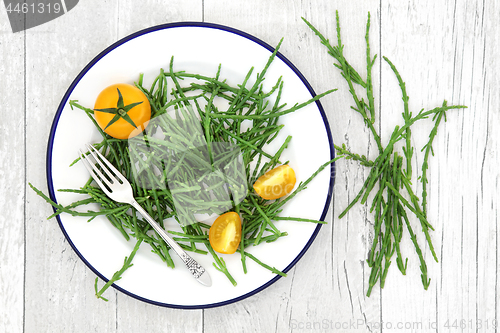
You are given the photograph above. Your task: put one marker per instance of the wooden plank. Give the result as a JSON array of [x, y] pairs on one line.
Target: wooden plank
[[470, 248], [425, 66], [58, 284], [460, 288], [326, 288], [12, 175], [449, 66], [488, 219]]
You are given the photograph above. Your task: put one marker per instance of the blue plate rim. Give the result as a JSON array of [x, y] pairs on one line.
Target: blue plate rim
[[126, 39]]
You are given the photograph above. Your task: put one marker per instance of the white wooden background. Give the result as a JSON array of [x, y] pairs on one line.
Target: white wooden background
[[443, 49]]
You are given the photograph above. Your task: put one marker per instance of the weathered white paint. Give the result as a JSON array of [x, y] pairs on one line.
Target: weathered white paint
[[443, 50]]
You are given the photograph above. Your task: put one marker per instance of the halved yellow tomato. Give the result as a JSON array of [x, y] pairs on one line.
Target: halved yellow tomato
[[225, 233], [122, 110], [275, 183]]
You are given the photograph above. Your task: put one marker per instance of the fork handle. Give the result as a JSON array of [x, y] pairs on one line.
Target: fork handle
[[199, 273]]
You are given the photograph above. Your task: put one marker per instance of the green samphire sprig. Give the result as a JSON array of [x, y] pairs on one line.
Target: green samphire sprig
[[390, 175]]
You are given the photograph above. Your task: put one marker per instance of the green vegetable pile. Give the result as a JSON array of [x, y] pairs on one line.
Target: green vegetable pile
[[262, 108], [394, 201], [390, 181]]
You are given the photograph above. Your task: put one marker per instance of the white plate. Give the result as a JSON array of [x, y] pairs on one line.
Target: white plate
[[196, 47]]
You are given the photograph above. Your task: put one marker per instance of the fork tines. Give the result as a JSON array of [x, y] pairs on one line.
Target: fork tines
[[101, 170]]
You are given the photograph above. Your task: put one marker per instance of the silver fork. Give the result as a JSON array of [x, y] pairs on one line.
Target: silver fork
[[117, 187]]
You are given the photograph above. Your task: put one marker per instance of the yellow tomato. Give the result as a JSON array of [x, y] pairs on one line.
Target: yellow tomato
[[122, 110], [225, 233], [275, 183]]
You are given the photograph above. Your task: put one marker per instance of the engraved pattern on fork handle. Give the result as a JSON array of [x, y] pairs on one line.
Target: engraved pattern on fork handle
[[196, 269]]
